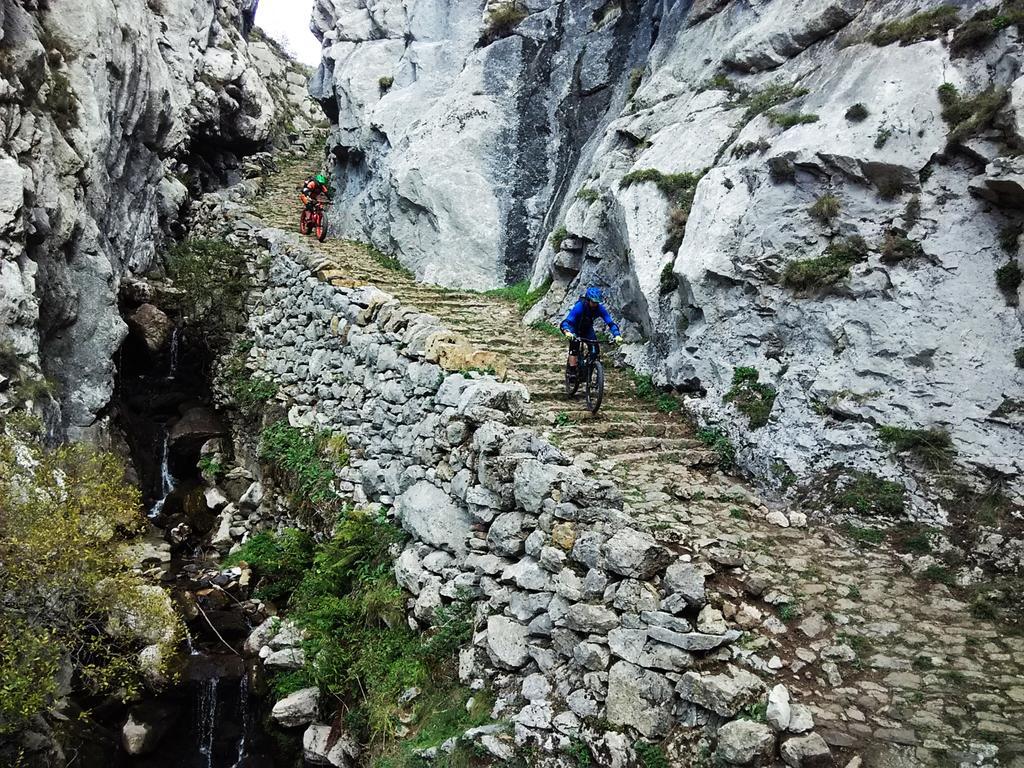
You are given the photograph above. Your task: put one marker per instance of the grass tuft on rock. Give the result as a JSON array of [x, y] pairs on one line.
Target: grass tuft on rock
[[503, 18], [932, 446], [1008, 278], [384, 83], [827, 270], [520, 294], [1009, 237], [857, 113], [786, 120], [968, 116], [926, 25], [587, 194], [748, 148], [679, 189], [981, 29], [751, 398], [897, 247], [868, 494], [825, 208], [557, 238], [772, 95], [669, 280]]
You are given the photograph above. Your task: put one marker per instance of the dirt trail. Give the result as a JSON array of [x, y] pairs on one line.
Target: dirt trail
[[894, 667]]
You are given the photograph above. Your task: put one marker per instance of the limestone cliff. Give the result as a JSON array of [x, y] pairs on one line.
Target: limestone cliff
[[821, 192], [110, 112]]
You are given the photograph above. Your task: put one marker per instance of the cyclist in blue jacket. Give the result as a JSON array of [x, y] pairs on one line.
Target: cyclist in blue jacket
[[579, 324]]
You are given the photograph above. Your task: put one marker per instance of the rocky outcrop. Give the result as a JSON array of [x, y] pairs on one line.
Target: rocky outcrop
[[680, 156], [111, 112]]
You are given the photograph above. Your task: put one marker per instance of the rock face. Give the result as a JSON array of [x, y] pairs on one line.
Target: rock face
[[585, 122], [107, 105]]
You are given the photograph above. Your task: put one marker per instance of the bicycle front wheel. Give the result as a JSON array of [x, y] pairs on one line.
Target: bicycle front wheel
[[595, 386]]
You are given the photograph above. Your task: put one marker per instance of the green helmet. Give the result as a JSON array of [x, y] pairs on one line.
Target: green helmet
[[321, 178]]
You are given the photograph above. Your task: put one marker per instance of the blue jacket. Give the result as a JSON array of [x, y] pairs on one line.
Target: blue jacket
[[581, 317]]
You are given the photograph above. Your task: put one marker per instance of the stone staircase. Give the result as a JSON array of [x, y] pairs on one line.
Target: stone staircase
[[895, 668]]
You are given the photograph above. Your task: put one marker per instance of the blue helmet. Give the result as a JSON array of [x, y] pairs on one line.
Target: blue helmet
[[594, 294]]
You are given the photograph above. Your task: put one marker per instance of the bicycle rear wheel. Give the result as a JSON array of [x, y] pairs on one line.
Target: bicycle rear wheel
[[595, 386]]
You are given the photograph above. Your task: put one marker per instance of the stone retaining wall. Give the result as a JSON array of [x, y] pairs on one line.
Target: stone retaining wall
[[586, 627]]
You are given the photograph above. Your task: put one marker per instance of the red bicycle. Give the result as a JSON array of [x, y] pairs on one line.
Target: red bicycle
[[313, 222]]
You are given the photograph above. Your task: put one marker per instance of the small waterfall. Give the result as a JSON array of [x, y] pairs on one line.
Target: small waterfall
[[167, 481], [172, 368], [206, 720], [246, 719]]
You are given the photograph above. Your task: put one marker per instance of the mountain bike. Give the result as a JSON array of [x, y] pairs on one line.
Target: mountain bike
[[589, 371], [313, 222]]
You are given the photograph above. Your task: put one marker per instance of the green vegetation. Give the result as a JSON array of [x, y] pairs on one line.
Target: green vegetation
[[788, 612], [389, 262], [969, 115], [360, 651], [304, 463], [827, 270], [588, 194], [769, 97], [926, 25], [753, 399], [68, 594], [863, 535], [217, 306], [719, 442], [558, 237], [679, 189], [1009, 235], [1008, 277], [825, 208], [857, 113], [940, 574], [789, 119], [278, 559], [882, 136], [932, 446], [61, 102], [669, 280], [897, 247], [978, 31], [636, 76], [385, 83], [503, 18], [249, 393], [911, 537], [545, 327], [210, 466], [647, 390], [650, 755], [868, 494], [521, 295], [890, 187], [579, 753], [721, 82], [748, 148], [563, 419], [24, 386]]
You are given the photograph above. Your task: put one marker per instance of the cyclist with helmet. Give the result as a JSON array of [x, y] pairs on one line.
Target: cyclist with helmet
[[579, 323], [312, 190]]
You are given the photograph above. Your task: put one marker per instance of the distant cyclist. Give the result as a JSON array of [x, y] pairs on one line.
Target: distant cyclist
[[579, 324], [313, 190]]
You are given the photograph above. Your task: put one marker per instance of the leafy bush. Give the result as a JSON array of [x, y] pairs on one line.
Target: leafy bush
[[789, 119], [66, 591], [926, 25], [857, 113], [825, 208], [1008, 277], [829, 269], [558, 237], [897, 247], [933, 446], [385, 82], [300, 462], [503, 18], [521, 295], [978, 31], [720, 443], [865, 493], [217, 305], [279, 561], [969, 115], [753, 399]]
